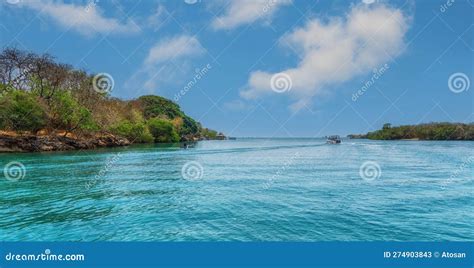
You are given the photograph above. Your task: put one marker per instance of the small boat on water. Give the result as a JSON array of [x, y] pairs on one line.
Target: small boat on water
[[188, 144], [334, 139]]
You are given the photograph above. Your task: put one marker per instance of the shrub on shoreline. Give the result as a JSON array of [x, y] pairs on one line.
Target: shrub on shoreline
[[21, 111]]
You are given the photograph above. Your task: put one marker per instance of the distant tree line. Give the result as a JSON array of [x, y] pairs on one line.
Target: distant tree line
[[37, 93], [430, 131]]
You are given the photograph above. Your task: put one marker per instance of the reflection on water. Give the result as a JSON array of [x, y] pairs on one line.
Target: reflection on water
[[250, 190]]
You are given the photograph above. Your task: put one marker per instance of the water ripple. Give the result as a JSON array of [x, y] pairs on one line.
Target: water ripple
[[251, 190]]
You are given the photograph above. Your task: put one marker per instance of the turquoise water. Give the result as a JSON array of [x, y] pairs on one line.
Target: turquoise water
[[243, 190]]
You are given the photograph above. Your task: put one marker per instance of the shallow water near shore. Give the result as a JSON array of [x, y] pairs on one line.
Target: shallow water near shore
[[244, 190]]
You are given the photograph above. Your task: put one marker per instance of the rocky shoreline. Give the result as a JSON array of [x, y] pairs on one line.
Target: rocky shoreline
[[33, 143]]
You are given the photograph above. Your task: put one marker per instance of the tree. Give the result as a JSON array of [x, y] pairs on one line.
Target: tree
[[134, 132], [155, 106], [387, 126], [21, 111], [67, 114], [209, 133], [162, 130], [15, 69]]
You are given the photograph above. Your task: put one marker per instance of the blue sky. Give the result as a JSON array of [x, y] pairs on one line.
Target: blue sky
[[269, 68]]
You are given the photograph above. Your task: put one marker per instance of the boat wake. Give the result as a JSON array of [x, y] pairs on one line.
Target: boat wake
[[251, 149]]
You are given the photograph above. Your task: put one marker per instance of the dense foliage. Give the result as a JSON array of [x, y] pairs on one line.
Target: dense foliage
[[162, 130], [67, 114], [21, 111], [156, 106], [431, 131], [37, 93], [134, 132]]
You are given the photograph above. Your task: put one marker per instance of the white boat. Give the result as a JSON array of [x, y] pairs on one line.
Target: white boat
[[334, 139]]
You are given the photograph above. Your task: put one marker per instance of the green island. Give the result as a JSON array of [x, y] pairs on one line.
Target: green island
[[429, 131], [49, 106]]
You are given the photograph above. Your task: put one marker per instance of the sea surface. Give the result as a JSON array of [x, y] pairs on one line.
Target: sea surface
[[243, 190]]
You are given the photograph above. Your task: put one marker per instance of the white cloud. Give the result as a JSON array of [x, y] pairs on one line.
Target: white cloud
[[240, 12], [85, 19], [166, 63], [173, 48], [336, 50], [158, 18]]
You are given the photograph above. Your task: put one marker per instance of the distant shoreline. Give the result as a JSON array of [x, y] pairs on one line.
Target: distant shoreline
[[422, 132], [58, 143], [13, 142]]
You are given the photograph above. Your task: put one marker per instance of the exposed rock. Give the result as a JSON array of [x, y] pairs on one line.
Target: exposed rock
[[32, 143]]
